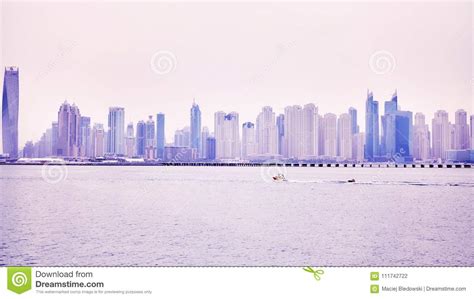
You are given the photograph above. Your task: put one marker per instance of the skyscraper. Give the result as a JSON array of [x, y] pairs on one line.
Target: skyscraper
[[211, 148], [330, 135], [421, 138], [141, 139], [461, 134], [130, 141], [150, 143], [195, 138], [387, 144], [69, 119], [10, 106], [371, 127], [160, 135], [115, 145], [204, 135], [472, 131], [182, 137], [344, 136], [294, 132], [280, 124], [85, 136], [54, 138], [29, 150], [266, 132], [441, 134], [249, 145], [354, 125], [403, 135], [310, 131], [397, 132], [98, 142], [227, 134], [358, 142]]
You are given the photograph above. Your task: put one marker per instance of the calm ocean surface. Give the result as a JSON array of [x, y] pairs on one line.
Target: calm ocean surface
[[235, 216]]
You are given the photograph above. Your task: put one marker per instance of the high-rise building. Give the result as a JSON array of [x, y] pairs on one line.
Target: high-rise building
[[280, 124], [211, 148], [421, 138], [330, 135], [150, 142], [472, 131], [195, 138], [461, 130], [160, 135], [54, 138], [130, 141], [98, 142], [10, 105], [29, 150], [69, 119], [440, 134], [249, 145], [182, 137], [358, 144], [204, 135], [344, 136], [85, 136], [310, 131], [294, 140], [397, 131], [387, 144], [371, 127], [392, 105], [266, 132], [43, 147], [398, 134], [116, 134], [452, 136], [227, 134], [141, 139], [354, 125]]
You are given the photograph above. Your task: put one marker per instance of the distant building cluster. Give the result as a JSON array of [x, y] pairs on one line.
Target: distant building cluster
[[300, 133]]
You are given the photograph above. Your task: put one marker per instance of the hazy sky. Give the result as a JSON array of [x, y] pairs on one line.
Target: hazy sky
[[234, 57]]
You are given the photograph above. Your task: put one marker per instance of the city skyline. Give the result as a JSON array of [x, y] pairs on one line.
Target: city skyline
[[299, 133], [266, 126], [306, 52]]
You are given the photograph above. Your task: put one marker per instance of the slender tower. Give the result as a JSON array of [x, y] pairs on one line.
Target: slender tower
[[10, 104]]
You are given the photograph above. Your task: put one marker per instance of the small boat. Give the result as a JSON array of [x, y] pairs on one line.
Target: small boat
[[279, 178], [351, 181]]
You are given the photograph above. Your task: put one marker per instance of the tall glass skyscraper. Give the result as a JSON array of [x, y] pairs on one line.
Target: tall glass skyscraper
[[371, 127], [10, 104], [150, 143], [211, 148], [160, 135], [141, 138], [69, 122], [85, 136], [280, 124], [195, 127], [116, 138], [354, 126], [397, 131], [403, 134]]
